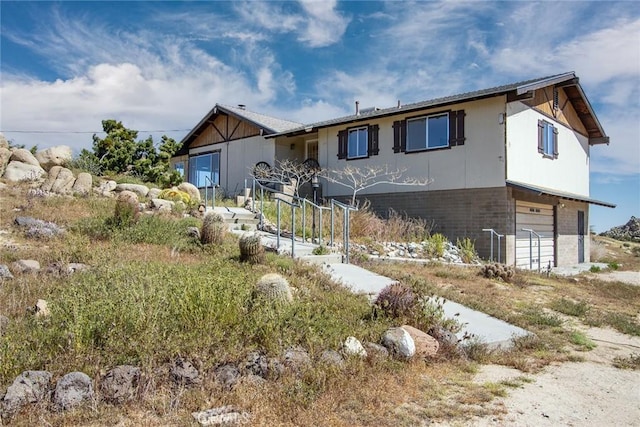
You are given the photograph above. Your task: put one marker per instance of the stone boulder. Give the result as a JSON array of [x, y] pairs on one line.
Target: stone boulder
[[18, 171], [24, 156], [28, 387], [5, 155], [139, 189], [162, 205], [5, 273], [120, 384], [376, 350], [353, 347], [629, 231], [106, 188], [191, 190], [51, 178], [331, 358], [399, 343], [297, 359], [3, 142], [59, 155], [37, 228], [426, 345], [154, 193], [256, 364], [227, 375], [73, 390], [83, 184], [63, 182], [182, 372], [25, 266], [222, 416], [41, 309]]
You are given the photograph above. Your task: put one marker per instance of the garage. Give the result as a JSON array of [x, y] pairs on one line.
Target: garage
[[539, 218]]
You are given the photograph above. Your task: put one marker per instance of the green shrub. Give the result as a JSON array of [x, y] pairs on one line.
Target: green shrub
[[613, 265], [321, 250], [437, 244], [594, 269], [580, 339], [467, 250], [396, 300], [565, 306]]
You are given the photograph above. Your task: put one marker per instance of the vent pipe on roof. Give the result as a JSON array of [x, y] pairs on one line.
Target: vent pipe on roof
[[398, 103], [357, 108], [242, 106]]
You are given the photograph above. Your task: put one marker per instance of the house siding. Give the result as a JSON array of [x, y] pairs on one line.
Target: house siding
[[568, 173], [567, 232]]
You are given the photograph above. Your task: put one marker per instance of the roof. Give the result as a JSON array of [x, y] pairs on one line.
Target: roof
[[269, 124], [563, 195], [567, 80]]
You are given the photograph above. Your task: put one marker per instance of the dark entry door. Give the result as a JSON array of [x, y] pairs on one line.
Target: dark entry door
[[580, 236]]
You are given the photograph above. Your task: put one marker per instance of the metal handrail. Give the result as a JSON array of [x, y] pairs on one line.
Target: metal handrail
[[500, 236], [531, 233], [346, 209], [213, 192]]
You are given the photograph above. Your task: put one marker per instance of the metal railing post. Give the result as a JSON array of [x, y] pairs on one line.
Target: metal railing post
[[253, 195], [499, 246], [538, 236], [320, 235], [332, 213], [304, 222], [346, 240], [261, 208], [293, 231], [278, 224], [499, 236]]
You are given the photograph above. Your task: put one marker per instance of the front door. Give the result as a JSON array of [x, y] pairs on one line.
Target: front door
[[580, 236]]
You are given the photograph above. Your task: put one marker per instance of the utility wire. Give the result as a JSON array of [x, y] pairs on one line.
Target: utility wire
[[79, 131]]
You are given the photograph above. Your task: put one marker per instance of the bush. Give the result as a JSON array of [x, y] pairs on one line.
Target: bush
[[437, 243], [175, 195], [467, 250], [396, 300], [127, 210]]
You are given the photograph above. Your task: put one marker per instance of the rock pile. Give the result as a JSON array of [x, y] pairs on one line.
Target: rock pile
[[630, 231]]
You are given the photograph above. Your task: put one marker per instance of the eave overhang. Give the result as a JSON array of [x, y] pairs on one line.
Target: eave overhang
[[542, 191]]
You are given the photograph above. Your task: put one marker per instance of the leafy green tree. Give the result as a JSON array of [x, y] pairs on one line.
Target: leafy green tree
[[119, 152]]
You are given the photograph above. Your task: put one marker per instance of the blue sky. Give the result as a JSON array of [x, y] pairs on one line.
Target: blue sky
[[160, 66]]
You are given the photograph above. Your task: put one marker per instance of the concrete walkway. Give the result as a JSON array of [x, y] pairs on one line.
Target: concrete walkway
[[486, 329]]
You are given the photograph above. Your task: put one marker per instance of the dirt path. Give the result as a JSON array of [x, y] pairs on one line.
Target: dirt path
[[630, 277], [587, 393]]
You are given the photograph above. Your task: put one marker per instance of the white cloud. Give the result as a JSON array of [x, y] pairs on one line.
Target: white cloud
[[325, 25]]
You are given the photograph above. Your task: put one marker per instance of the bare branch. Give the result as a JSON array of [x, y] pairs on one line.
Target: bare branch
[[359, 179]]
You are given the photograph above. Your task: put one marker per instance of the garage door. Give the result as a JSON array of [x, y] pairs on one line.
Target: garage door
[[539, 218]]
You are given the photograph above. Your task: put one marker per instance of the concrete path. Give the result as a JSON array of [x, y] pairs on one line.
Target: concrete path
[[489, 330]]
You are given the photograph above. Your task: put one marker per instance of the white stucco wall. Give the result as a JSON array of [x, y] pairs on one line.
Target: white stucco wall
[[478, 163], [568, 173], [237, 158]]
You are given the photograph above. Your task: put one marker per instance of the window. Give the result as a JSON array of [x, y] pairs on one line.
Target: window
[[428, 132], [204, 169], [358, 143], [179, 166], [547, 139], [441, 130]]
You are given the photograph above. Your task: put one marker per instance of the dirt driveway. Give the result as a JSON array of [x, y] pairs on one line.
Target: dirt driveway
[[630, 277]]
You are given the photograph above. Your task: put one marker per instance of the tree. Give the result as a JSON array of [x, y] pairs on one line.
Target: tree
[[119, 152], [358, 179], [287, 172]]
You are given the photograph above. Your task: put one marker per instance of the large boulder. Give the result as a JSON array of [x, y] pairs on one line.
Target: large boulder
[[399, 343], [60, 155], [24, 156], [83, 184], [64, 182], [25, 266], [5, 155], [120, 384], [191, 190], [426, 345], [73, 390], [139, 189], [51, 178], [28, 387], [3, 142], [297, 359], [18, 171]]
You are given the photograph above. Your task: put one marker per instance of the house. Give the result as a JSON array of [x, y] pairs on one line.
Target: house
[[509, 158]]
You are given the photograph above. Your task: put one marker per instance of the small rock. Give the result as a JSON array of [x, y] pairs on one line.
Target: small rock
[[5, 273], [297, 359], [444, 336], [25, 266], [224, 415], [353, 347], [376, 350], [28, 387], [399, 343], [73, 390], [331, 358], [426, 346], [41, 309], [184, 373], [140, 190], [120, 384], [227, 375]]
